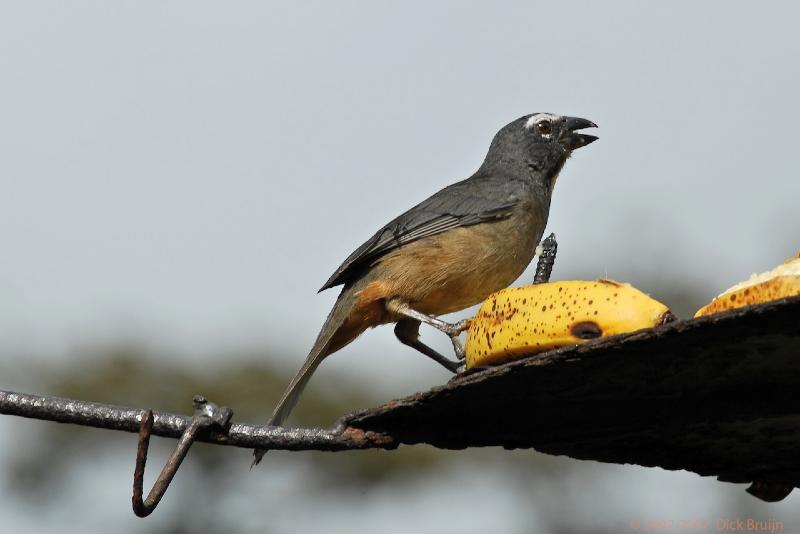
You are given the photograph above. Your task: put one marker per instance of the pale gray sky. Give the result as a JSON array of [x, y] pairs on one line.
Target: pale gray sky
[[189, 173]]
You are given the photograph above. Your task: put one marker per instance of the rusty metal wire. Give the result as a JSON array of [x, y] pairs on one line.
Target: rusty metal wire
[[170, 425], [210, 423]]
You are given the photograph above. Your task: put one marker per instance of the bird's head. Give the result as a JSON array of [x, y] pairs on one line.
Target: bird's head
[[548, 129], [540, 143]]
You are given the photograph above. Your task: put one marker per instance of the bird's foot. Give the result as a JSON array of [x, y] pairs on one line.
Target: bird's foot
[[453, 330]]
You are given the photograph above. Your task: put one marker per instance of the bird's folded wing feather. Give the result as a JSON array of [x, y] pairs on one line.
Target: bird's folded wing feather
[[458, 205]]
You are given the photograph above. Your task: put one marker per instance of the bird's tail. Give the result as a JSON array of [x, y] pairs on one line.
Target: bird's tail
[[337, 332]]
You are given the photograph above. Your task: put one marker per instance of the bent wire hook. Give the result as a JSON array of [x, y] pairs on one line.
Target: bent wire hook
[[206, 414]]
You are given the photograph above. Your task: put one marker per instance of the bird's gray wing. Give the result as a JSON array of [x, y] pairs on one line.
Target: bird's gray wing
[[462, 204]]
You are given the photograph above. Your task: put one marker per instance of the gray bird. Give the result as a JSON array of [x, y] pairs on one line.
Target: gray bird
[[450, 251]]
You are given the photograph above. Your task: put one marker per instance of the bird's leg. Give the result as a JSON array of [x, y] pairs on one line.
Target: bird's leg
[[407, 331], [547, 257], [400, 307]]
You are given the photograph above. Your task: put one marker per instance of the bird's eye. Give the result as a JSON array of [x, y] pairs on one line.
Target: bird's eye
[[544, 127]]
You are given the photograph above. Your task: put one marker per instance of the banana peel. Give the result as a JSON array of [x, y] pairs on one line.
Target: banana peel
[[783, 281], [520, 321]]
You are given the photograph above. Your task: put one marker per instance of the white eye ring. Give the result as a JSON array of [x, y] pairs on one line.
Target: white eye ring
[[535, 120]]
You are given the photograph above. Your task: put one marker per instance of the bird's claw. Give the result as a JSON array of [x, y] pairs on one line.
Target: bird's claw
[[458, 348], [454, 330]]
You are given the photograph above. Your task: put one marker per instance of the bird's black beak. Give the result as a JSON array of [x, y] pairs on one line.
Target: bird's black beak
[[571, 140]]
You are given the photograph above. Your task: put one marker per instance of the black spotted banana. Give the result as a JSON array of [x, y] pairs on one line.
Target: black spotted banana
[[525, 320]]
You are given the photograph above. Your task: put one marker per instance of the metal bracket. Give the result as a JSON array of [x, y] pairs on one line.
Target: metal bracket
[[547, 257]]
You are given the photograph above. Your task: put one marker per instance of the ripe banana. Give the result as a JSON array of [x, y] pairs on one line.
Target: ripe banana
[[525, 320], [783, 281]]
